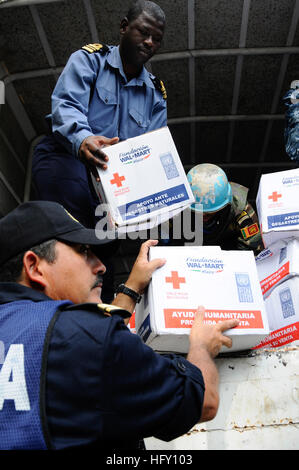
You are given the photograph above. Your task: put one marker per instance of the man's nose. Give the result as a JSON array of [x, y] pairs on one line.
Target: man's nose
[[149, 41], [98, 266]]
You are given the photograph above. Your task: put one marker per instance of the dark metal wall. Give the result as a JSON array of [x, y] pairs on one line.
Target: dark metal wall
[[226, 65]]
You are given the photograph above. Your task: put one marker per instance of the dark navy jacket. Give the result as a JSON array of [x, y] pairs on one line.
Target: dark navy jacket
[[104, 388]]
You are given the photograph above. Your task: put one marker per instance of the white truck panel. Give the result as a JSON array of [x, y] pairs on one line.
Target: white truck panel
[[259, 405]]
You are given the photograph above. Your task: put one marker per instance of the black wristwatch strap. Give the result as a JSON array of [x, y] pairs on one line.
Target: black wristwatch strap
[[122, 289]]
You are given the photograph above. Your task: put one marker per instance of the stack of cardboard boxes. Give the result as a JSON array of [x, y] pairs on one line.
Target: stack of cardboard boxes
[[263, 293], [278, 264]]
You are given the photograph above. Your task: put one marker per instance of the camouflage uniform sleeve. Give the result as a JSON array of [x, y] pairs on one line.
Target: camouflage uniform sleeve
[[249, 230]]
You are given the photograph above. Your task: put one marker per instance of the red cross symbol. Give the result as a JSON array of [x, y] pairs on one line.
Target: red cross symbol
[[117, 180], [175, 279], [274, 196]]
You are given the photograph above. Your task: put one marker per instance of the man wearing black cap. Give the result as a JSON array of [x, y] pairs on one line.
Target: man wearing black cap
[[73, 375]]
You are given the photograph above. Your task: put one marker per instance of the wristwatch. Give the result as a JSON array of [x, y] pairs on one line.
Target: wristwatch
[[122, 289]]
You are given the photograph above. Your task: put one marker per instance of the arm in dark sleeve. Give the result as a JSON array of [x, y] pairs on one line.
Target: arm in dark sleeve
[[148, 394]]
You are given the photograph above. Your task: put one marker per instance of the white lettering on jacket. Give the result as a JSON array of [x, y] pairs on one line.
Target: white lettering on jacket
[[12, 379]]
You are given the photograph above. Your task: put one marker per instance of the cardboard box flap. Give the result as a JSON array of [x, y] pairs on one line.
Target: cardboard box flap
[[278, 263]]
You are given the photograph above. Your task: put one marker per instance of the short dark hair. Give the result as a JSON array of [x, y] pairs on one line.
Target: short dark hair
[[150, 7], [11, 270]]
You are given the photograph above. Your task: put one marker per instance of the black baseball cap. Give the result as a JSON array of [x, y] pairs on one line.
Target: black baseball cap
[[35, 222]]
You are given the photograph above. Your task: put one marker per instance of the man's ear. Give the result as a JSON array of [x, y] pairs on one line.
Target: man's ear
[[33, 269], [124, 25]]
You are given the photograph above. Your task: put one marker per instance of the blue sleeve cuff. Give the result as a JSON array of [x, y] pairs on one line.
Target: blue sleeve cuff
[[79, 139]]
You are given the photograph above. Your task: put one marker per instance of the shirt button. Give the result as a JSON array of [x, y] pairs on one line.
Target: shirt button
[[106, 100], [182, 367]]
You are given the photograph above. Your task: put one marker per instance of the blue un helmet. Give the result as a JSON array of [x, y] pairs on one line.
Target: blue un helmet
[[212, 190], [210, 187]]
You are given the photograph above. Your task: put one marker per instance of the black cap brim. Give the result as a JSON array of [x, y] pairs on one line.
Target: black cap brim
[[102, 248], [35, 222]]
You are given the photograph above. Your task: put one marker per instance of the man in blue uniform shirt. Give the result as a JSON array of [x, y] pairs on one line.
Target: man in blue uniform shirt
[[73, 375], [104, 94]]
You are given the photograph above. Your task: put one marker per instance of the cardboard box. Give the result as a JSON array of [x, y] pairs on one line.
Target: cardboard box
[[145, 179], [277, 206], [277, 263], [153, 221], [132, 325], [224, 282], [282, 307]]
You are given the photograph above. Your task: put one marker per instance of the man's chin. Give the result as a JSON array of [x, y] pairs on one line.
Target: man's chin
[[95, 295], [144, 56]]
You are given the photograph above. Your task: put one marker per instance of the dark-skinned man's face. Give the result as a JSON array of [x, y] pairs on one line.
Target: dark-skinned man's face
[[140, 39]]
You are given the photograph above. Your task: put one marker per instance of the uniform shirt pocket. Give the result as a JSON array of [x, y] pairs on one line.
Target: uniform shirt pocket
[[139, 119], [107, 96], [103, 108]]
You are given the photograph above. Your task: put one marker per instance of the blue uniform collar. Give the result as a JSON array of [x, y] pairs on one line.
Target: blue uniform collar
[[114, 60], [12, 292]]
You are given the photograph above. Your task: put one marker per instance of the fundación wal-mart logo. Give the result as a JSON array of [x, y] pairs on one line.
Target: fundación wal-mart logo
[[2, 92]]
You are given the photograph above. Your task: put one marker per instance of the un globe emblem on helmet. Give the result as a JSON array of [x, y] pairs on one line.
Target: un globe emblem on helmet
[[210, 187]]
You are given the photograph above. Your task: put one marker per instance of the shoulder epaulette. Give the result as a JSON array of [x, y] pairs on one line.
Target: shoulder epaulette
[[107, 309], [101, 48], [159, 85], [243, 219]]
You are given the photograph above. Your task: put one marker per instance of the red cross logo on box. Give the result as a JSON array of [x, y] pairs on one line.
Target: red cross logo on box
[[175, 279], [274, 196], [117, 180]]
